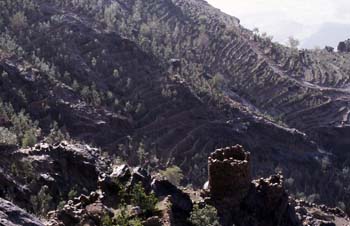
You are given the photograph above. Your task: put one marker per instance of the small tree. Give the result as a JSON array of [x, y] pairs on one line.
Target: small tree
[[206, 216], [42, 201], [75, 85], [122, 218], [18, 21], [293, 42], [173, 174], [72, 193], [116, 73], [6, 137], [146, 202], [85, 93], [56, 135], [29, 139], [217, 81], [256, 31], [141, 153], [93, 61]]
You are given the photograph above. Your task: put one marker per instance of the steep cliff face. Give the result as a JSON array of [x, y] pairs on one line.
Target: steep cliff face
[[165, 82]]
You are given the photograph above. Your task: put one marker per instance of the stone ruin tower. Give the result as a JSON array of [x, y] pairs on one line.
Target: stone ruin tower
[[229, 174]]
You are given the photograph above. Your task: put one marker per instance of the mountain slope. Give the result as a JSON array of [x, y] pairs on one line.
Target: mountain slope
[[165, 82]]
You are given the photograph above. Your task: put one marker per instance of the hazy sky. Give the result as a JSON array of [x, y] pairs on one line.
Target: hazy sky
[[314, 22]]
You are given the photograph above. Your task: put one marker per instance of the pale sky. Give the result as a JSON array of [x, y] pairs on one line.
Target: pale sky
[[314, 22]]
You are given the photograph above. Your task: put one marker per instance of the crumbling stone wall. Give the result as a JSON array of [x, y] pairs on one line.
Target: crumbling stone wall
[[229, 174]]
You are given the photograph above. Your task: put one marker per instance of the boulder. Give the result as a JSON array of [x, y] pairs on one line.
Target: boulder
[[12, 215], [153, 221], [269, 202], [121, 173], [141, 175], [324, 223], [344, 46], [95, 210], [181, 201], [329, 49]]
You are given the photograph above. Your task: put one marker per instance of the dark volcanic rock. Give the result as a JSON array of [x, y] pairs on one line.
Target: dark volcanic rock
[[153, 221], [344, 46], [269, 202], [58, 168], [329, 49], [121, 173], [141, 175], [180, 200], [11, 215]]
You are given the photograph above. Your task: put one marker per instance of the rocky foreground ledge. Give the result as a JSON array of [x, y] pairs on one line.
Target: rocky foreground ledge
[[11, 215], [238, 199]]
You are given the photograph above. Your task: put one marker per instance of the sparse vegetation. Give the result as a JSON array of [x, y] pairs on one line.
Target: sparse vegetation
[[18, 21], [205, 216], [138, 198], [29, 139], [293, 43], [6, 137], [42, 201], [173, 174], [147, 202]]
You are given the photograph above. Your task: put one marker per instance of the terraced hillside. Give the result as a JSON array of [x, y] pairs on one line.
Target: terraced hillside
[[286, 84], [163, 82]]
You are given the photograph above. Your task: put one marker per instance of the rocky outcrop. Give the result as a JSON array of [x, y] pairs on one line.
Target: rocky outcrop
[[315, 215], [91, 209], [181, 202], [329, 49], [263, 202], [82, 210], [269, 203], [12, 215], [344, 47], [59, 168], [240, 200]]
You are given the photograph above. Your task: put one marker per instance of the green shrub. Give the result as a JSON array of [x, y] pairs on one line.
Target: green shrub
[[56, 135], [206, 216], [121, 219], [72, 194], [18, 21], [107, 221], [173, 174], [29, 139], [6, 137], [42, 201], [147, 202]]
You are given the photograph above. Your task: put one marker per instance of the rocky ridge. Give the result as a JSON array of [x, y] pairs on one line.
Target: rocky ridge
[[259, 202]]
